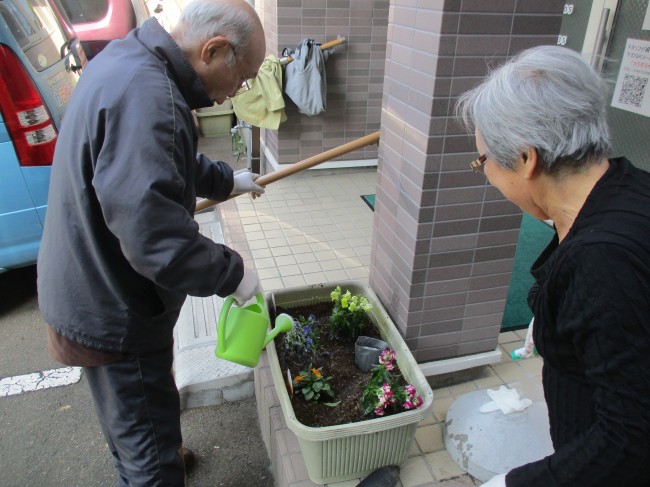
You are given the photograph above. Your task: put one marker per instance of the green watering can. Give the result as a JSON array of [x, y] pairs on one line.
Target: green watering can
[[242, 332]]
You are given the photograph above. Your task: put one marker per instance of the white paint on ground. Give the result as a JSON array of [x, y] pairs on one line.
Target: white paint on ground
[[19, 384]]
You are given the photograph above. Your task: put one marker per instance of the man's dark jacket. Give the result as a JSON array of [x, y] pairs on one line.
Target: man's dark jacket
[[121, 250]]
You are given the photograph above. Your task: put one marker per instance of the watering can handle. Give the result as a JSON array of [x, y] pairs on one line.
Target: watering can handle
[[223, 317], [260, 300], [221, 324]]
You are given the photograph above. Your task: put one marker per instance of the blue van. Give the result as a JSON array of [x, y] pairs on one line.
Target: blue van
[[40, 62]]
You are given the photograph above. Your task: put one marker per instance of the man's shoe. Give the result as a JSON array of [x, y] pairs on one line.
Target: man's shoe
[[188, 456]]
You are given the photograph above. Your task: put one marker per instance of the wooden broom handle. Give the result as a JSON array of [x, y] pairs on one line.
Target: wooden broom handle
[[310, 162], [328, 45]]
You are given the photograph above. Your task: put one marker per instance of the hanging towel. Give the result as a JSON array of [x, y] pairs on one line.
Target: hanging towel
[[263, 105], [305, 80]]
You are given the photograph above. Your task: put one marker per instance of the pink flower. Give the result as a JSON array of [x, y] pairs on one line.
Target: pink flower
[[382, 401], [387, 358], [379, 412], [410, 390], [408, 404]]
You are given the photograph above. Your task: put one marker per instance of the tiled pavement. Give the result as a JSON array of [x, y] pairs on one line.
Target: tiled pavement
[[313, 227]]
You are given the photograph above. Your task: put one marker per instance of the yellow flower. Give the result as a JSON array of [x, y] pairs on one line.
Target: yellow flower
[[336, 294], [317, 373], [298, 378]]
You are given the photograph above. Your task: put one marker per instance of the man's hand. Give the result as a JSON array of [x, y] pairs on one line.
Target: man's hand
[[248, 287], [244, 182]]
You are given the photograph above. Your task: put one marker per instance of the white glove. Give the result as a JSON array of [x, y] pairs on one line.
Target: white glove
[[496, 481], [248, 287], [507, 400], [244, 182]]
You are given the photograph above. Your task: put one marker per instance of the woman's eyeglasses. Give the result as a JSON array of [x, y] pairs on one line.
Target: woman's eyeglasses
[[478, 165]]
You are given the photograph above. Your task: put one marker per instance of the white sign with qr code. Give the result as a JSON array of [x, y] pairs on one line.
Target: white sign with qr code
[[631, 91]]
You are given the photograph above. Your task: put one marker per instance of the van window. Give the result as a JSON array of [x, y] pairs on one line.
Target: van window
[[82, 11], [37, 30]]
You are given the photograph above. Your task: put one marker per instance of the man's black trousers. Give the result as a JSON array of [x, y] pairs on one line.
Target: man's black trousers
[[138, 407]]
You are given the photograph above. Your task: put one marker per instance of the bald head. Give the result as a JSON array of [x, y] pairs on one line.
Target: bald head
[[236, 20], [224, 42]]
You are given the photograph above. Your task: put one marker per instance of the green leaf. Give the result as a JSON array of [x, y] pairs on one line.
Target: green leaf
[[317, 386], [368, 409], [309, 395], [332, 404]]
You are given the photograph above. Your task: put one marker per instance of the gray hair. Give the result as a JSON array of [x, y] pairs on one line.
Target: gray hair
[[547, 97], [201, 20]]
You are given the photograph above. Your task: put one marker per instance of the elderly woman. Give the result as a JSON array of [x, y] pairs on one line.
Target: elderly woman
[[542, 135]]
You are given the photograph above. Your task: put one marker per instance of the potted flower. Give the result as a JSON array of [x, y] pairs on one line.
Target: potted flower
[[387, 392], [383, 435], [313, 385], [349, 314]]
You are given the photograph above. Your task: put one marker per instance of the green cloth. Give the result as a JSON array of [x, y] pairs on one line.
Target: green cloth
[[263, 105], [534, 236]]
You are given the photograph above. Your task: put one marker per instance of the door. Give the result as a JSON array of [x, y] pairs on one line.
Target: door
[[615, 37]]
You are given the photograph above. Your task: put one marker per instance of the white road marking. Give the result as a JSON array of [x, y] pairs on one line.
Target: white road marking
[[20, 384]]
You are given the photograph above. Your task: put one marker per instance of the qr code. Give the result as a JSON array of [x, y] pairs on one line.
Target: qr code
[[633, 90]]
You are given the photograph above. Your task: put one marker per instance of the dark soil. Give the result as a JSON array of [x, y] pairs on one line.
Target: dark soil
[[336, 357]]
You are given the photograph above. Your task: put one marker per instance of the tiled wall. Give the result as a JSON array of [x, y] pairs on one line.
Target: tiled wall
[[445, 240], [355, 73]]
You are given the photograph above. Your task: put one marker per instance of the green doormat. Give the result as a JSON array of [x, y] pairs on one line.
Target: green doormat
[[370, 200], [534, 236]]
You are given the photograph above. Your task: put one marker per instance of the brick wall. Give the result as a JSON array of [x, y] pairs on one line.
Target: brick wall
[[444, 240], [355, 73]]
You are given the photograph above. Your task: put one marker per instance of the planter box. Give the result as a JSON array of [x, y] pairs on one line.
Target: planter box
[[226, 106], [354, 450], [215, 120]]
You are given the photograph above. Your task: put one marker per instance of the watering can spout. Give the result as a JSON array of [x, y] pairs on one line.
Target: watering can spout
[[283, 324]]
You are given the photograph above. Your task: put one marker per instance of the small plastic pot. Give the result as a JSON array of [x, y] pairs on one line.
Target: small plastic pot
[[367, 351]]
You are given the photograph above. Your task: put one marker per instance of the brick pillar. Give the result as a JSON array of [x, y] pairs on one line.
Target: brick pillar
[[444, 240]]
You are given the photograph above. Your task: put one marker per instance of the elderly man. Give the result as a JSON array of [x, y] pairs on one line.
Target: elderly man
[[121, 250]]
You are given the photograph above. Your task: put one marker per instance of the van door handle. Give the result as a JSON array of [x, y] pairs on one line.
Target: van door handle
[[69, 48]]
